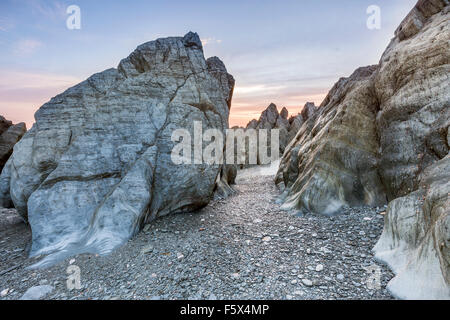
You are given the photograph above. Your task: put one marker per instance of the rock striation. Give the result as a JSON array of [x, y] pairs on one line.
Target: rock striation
[[96, 166], [382, 135]]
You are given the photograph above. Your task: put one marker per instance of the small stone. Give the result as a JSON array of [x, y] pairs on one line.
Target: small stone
[[340, 277], [37, 292], [293, 281], [4, 292], [212, 296], [147, 249], [266, 239], [72, 261], [235, 275], [319, 267], [180, 256], [307, 282]]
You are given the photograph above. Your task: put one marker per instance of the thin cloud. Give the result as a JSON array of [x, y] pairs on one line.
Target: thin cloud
[[207, 41], [54, 10], [6, 24], [26, 47]]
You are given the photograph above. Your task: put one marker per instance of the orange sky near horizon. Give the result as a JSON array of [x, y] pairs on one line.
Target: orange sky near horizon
[[23, 94]]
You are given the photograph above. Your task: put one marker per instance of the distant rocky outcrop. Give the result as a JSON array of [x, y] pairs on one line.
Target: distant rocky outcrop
[[272, 119], [383, 135], [96, 166], [10, 134]]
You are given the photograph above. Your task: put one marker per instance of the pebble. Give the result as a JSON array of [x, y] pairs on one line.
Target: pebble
[[307, 282], [230, 258]]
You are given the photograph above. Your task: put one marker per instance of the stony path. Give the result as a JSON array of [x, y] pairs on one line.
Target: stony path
[[240, 248]]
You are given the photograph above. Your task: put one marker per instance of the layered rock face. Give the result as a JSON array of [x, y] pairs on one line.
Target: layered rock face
[[381, 135], [328, 164], [413, 89], [9, 135], [97, 163], [416, 238]]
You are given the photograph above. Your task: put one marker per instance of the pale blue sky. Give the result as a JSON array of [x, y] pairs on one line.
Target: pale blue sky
[[287, 51]]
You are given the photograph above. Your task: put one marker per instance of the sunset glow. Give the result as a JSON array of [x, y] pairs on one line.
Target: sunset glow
[[288, 65]]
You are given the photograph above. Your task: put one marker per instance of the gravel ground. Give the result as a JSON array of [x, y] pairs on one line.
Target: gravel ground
[[243, 247]]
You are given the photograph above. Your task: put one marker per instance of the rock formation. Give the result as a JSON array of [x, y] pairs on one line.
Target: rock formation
[[272, 119], [329, 164], [9, 135], [383, 135], [413, 89], [97, 164]]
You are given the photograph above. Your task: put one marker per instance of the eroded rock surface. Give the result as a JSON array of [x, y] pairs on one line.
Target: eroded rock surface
[[329, 164], [416, 238], [97, 163], [413, 88], [383, 135]]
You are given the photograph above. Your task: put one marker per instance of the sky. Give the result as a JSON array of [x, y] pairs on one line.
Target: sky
[[287, 52]]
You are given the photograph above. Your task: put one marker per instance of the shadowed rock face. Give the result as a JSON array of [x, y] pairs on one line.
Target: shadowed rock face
[[97, 163], [9, 135], [380, 135]]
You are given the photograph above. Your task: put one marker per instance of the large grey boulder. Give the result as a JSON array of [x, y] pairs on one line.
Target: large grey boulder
[[97, 163]]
